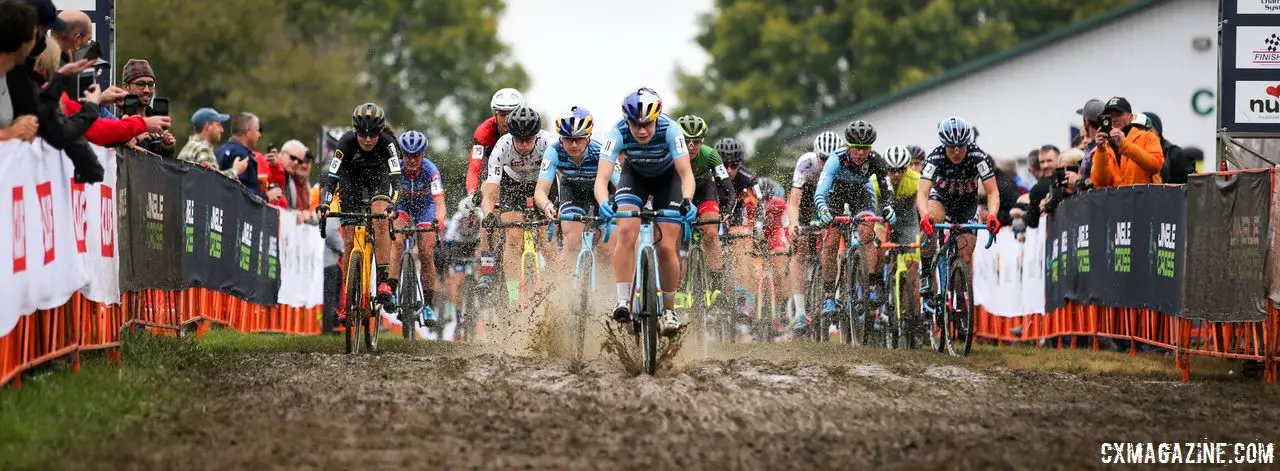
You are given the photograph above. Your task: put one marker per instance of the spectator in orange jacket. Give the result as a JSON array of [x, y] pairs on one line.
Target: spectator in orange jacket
[[1126, 155]]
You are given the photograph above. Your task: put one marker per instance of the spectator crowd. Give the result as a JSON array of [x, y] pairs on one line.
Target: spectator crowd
[[49, 67]]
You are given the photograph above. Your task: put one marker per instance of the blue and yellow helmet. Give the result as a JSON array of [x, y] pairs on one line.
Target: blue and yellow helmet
[[642, 106], [577, 122]]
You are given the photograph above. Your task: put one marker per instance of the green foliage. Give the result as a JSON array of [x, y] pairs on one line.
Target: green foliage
[[300, 64], [778, 63]]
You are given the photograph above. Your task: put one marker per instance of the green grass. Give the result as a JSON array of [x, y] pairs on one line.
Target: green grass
[[227, 341], [56, 412]]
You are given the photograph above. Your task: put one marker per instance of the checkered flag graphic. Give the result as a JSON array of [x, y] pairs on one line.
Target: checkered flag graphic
[[1273, 43]]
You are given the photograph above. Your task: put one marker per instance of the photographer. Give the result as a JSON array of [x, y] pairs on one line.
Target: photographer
[[1125, 154], [1091, 119], [140, 82]]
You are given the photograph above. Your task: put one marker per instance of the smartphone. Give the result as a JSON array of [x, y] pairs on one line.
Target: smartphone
[[131, 106], [159, 107], [1106, 124]]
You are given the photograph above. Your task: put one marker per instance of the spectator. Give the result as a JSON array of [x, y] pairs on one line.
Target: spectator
[[1091, 116], [1006, 183], [917, 158], [332, 273], [141, 81], [296, 160], [1177, 165], [244, 136], [1127, 155], [272, 170], [17, 39], [1047, 156], [199, 148], [77, 35], [1033, 168]]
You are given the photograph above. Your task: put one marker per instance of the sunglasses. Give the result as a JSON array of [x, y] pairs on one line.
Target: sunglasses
[[367, 133], [413, 156], [296, 160], [859, 147]]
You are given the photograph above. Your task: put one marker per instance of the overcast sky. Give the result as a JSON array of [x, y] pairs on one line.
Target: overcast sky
[[593, 52]]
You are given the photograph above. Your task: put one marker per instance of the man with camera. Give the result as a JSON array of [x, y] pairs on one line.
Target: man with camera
[[140, 82], [1125, 154]]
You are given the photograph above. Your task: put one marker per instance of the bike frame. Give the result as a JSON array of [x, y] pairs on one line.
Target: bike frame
[[409, 243], [361, 249], [858, 298], [947, 254], [644, 247], [529, 249], [769, 278], [900, 268]]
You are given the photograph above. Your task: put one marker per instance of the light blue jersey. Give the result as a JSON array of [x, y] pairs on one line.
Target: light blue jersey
[[649, 160], [834, 173], [556, 159]]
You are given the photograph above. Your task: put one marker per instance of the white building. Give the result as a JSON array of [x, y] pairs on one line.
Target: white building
[[1160, 54]]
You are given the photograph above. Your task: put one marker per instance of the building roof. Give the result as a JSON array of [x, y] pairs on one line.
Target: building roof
[[786, 135]]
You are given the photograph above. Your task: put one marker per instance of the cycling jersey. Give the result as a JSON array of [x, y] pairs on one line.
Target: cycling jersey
[[647, 160], [955, 185], [483, 141], [364, 175], [743, 181], [504, 160], [461, 238], [577, 181], [903, 201], [420, 189], [649, 169], [851, 185], [708, 168], [905, 189], [808, 168]]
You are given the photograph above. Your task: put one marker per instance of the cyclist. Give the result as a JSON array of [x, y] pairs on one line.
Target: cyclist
[[769, 215], [656, 164], [504, 101], [903, 199], [574, 160], [421, 203], [372, 172], [461, 240], [513, 174], [804, 182], [949, 188], [708, 168], [917, 158], [847, 179]]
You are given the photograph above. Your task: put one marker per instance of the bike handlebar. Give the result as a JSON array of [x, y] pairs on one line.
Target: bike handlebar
[[991, 236], [582, 218], [646, 215], [340, 214], [428, 227], [856, 219]]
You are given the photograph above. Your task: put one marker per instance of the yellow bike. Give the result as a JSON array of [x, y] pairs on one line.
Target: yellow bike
[[358, 301], [530, 260]]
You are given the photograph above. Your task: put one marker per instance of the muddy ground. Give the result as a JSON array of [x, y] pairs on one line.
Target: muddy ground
[[757, 406]]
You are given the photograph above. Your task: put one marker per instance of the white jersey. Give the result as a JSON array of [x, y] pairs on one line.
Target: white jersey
[[521, 168], [808, 168]]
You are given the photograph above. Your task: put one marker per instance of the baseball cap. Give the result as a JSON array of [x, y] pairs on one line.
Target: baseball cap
[[1091, 110], [204, 115], [47, 15], [1118, 104]]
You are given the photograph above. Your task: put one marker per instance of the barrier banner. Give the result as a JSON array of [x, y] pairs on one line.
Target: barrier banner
[[150, 225], [1273, 257], [1227, 270], [301, 254], [230, 238], [56, 241], [1117, 248], [1007, 278]]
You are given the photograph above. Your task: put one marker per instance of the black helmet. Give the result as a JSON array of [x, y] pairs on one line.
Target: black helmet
[[524, 122], [368, 119], [730, 150], [860, 133]]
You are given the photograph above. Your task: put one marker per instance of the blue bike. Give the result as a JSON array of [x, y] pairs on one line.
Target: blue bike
[[952, 303], [644, 321], [584, 273]]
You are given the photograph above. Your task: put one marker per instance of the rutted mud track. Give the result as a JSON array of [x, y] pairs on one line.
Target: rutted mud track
[[806, 407]]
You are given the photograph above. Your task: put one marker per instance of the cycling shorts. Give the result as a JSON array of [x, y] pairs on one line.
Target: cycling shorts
[[359, 190], [964, 210], [461, 255], [514, 195], [419, 216], [856, 197], [706, 196], [664, 188], [578, 198]]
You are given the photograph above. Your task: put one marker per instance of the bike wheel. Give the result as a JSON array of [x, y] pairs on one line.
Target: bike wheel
[[410, 296], [356, 301], [959, 310], [695, 285], [850, 299], [904, 320], [936, 328], [648, 313], [585, 273], [813, 304]]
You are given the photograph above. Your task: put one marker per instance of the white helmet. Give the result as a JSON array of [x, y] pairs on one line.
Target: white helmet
[[897, 157], [507, 99], [826, 143]]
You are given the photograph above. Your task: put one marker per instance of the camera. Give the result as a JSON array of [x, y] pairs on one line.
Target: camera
[[159, 107], [1106, 124]]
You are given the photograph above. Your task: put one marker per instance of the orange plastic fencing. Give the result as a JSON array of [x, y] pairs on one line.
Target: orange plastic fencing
[[83, 325]]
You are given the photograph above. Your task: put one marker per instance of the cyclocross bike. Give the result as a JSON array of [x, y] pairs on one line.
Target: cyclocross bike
[[584, 275], [811, 236], [409, 298], [698, 298], [852, 295], [738, 314], [768, 325], [358, 302], [903, 324], [530, 260], [646, 305], [953, 303]]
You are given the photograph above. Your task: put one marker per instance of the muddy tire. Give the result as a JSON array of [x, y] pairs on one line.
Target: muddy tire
[[355, 306], [854, 269], [959, 310], [647, 315], [410, 296]]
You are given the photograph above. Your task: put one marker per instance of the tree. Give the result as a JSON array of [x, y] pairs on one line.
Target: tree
[[778, 63], [300, 64]]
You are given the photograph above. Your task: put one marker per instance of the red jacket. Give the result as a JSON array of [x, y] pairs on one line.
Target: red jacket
[[486, 136], [107, 132]]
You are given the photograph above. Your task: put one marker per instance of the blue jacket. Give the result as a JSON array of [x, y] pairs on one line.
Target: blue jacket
[[227, 155]]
